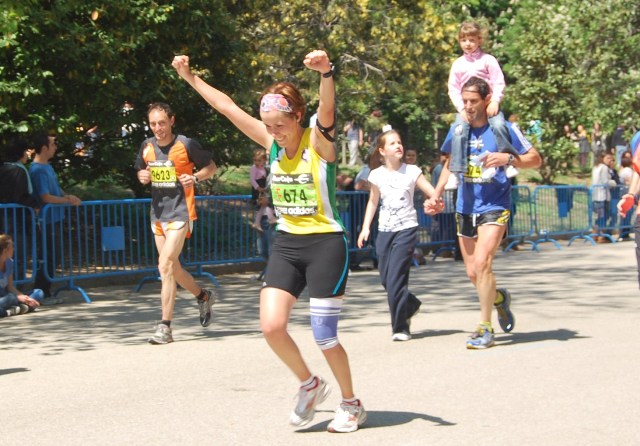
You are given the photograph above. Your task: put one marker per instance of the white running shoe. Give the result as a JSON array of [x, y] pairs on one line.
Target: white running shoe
[[12, 311], [401, 336], [305, 410], [348, 418]]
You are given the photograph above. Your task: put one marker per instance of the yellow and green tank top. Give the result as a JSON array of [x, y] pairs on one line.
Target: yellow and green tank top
[[303, 189]]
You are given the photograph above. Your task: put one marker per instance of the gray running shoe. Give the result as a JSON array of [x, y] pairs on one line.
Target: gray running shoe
[[307, 402], [506, 319], [162, 335], [52, 301], [24, 308], [205, 306], [480, 339]]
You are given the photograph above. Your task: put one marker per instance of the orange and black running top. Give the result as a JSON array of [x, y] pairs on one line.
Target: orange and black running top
[[169, 200]]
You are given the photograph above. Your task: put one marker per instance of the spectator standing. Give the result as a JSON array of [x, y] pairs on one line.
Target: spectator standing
[[584, 147], [166, 162], [355, 139], [16, 187], [602, 183], [411, 157], [619, 142], [12, 300], [625, 175], [15, 182], [47, 190], [598, 140], [615, 194], [258, 174]]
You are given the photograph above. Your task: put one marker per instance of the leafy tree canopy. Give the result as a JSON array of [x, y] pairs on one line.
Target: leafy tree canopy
[[67, 66]]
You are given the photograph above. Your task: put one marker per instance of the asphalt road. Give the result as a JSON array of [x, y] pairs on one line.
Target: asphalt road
[[83, 374]]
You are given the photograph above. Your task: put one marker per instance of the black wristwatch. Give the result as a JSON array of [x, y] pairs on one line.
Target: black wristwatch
[[331, 71], [511, 159]]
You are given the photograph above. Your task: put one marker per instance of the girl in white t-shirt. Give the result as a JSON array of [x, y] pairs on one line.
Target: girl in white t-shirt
[[393, 185]]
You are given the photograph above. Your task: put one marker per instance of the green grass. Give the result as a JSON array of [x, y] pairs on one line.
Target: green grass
[[232, 180]]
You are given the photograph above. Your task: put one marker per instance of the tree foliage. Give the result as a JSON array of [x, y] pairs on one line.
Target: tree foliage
[[70, 65], [67, 65], [571, 63]]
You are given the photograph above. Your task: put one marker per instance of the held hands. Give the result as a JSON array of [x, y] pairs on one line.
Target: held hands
[[433, 206], [317, 60]]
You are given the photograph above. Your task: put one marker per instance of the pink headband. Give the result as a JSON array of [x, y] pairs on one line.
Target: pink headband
[[275, 102]]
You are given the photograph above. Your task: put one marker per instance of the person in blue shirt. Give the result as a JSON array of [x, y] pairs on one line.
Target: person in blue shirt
[[483, 206], [47, 190]]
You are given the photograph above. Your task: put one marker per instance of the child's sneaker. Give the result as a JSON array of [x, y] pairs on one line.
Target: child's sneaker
[[305, 409], [511, 171], [348, 418]]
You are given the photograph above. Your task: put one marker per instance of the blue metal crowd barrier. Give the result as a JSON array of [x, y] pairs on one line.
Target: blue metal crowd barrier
[[99, 239], [604, 211], [352, 206], [561, 211], [96, 239], [520, 229], [439, 231]]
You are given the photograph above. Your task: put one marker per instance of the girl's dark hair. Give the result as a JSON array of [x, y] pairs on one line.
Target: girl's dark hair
[[376, 159], [16, 148]]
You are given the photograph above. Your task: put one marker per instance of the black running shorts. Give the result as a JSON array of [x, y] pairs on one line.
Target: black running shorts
[[319, 261], [468, 223]]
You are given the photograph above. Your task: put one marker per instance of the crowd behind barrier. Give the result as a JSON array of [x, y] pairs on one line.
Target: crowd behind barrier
[[100, 239]]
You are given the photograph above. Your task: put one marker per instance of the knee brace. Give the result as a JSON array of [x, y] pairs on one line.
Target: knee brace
[[324, 315]]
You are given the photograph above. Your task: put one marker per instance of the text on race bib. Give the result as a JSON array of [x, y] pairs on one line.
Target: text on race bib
[[163, 174], [294, 194], [474, 175]]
